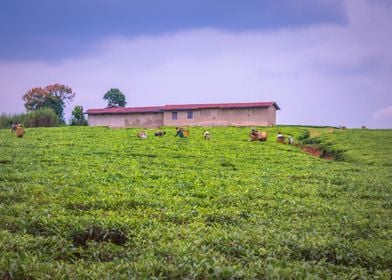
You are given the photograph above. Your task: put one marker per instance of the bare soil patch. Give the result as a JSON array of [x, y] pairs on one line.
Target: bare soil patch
[[317, 152]]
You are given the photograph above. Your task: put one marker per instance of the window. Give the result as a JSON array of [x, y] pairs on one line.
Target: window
[[174, 115], [189, 115]]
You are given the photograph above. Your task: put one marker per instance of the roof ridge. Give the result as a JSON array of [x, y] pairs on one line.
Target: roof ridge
[[171, 107]]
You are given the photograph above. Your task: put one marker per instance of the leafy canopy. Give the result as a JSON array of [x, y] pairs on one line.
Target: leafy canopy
[[115, 98], [78, 116], [52, 96]]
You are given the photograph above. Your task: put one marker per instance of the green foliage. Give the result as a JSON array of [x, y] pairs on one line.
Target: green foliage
[[304, 136], [6, 120], [51, 96], [115, 97], [42, 117], [96, 203], [78, 116]]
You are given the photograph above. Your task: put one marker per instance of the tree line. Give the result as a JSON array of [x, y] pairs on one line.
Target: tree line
[[45, 106]]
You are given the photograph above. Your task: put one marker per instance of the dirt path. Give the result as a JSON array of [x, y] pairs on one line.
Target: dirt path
[[314, 151]]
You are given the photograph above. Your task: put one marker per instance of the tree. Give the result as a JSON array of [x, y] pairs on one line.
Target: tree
[[42, 117], [115, 98], [52, 96], [78, 116]]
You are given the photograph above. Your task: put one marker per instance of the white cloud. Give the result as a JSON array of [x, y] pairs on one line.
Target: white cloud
[[329, 75], [383, 114]]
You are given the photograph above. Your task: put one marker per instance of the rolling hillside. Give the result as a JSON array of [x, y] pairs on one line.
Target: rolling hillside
[[97, 203]]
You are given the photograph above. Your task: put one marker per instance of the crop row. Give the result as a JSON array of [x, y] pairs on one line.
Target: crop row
[[84, 202]]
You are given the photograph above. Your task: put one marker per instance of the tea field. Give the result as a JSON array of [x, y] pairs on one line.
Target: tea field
[[98, 203]]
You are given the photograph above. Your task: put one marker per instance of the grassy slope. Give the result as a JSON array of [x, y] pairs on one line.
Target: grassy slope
[[191, 208]]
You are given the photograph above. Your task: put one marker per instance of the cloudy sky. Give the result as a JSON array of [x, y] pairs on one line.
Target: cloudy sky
[[325, 62]]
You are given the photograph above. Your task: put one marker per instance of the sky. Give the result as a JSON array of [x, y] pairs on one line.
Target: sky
[[325, 62]]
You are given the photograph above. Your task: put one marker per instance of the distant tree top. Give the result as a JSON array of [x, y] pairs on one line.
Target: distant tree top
[[115, 98]]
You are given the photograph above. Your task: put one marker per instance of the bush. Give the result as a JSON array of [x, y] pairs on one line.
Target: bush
[[304, 135], [78, 116], [43, 117], [6, 120]]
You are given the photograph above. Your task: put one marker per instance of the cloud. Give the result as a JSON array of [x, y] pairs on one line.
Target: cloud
[[383, 114], [320, 75], [383, 117], [53, 30]]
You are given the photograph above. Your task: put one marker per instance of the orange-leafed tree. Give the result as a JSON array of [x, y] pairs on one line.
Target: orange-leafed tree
[[53, 96]]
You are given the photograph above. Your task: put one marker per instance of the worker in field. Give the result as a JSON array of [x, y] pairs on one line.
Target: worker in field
[[13, 126], [207, 135], [160, 133], [263, 135], [256, 135], [19, 130], [280, 137], [180, 132], [291, 140], [142, 134], [253, 132]]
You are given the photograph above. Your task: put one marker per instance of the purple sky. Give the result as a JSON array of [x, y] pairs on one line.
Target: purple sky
[[324, 62]]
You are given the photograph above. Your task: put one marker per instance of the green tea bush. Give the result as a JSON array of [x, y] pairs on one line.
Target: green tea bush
[[99, 203], [310, 141], [304, 136]]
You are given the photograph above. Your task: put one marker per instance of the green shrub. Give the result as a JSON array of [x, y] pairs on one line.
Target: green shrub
[[98, 203], [304, 135], [6, 120], [43, 117]]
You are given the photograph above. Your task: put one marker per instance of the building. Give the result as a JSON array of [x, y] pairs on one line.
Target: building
[[223, 114]]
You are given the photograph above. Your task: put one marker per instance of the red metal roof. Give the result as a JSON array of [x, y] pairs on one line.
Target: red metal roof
[[125, 110], [156, 109], [220, 106]]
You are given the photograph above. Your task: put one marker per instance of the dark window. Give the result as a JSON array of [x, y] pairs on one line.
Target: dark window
[[174, 115], [189, 115]]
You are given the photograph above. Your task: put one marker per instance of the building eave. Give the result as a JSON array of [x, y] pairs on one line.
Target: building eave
[[179, 107]]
